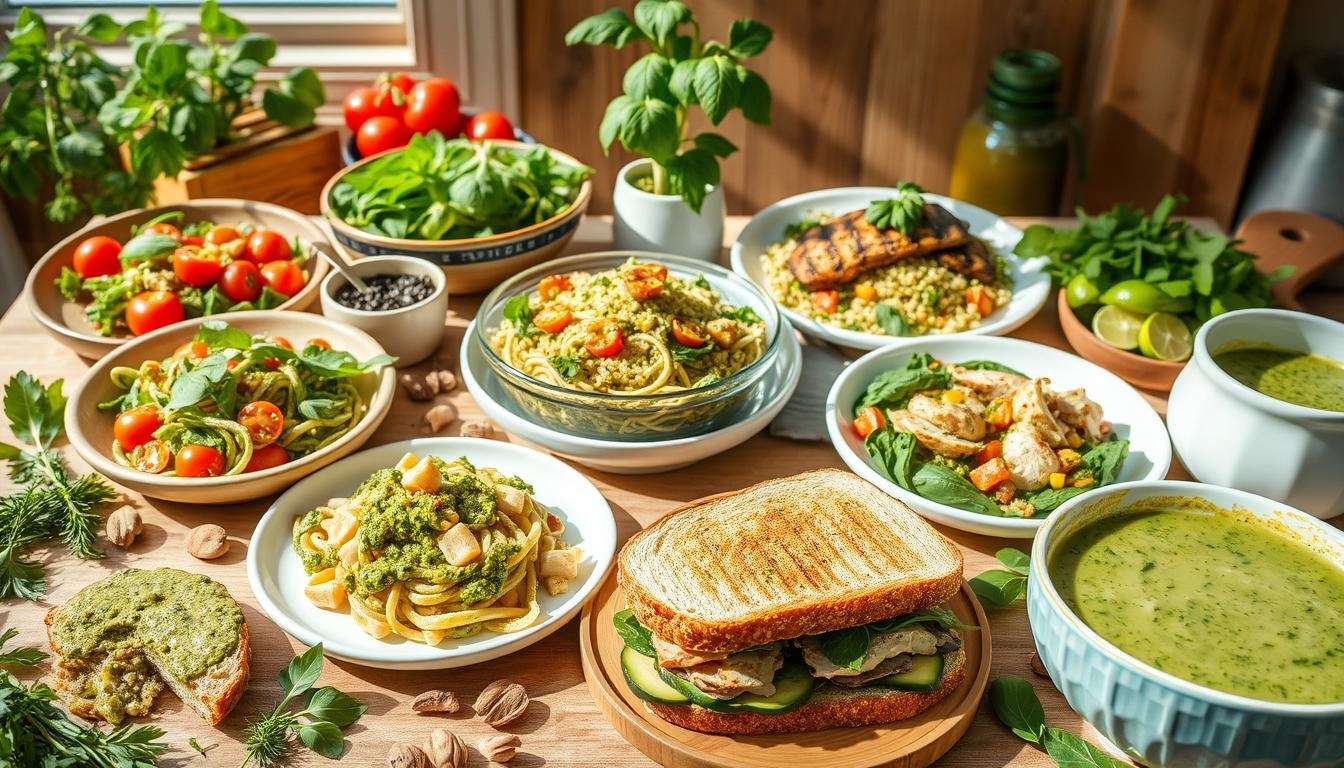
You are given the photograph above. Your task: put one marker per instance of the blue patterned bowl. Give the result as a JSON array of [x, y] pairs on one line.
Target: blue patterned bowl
[[1157, 718], [472, 265]]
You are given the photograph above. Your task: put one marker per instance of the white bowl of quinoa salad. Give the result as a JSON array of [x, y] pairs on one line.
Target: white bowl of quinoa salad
[[929, 298]]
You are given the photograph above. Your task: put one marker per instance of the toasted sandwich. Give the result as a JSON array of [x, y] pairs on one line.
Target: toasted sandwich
[[799, 604]]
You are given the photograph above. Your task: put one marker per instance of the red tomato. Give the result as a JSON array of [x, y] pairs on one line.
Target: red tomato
[[604, 338], [267, 245], [361, 104], [284, 277], [489, 125], [826, 301], [319, 343], [151, 457], [552, 286], [401, 81], [241, 281], [433, 106], [687, 333], [379, 134], [198, 461], [194, 350], [554, 318], [263, 421], [196, 268], [222, 235], [868, 421], [280, 341], [152, 310], [136, 427], [98, 256], [266, 457], [644, 281], [192, 240], [163, 228]]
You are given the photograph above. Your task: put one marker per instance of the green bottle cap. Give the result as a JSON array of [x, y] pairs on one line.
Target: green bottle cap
[[1023, 87]]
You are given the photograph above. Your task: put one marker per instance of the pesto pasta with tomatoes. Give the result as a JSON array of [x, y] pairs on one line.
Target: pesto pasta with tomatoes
[[631, 330]]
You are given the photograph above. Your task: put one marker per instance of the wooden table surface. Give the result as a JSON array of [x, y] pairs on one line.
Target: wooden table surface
[[562, 727]]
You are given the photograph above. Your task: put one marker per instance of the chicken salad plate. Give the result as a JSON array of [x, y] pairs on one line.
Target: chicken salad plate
[[864, 267], [990, 435]]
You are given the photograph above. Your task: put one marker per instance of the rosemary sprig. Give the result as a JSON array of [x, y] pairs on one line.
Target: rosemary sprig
[[318, 725]]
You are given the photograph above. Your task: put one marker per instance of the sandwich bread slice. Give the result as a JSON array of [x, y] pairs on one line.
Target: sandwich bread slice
[[803, 603]]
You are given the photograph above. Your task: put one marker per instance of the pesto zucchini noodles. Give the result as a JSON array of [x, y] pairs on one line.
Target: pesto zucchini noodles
[[228, 402], [429, 550], [631, 330]]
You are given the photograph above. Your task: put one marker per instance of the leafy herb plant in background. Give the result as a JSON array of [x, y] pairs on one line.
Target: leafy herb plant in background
[[679, 72]]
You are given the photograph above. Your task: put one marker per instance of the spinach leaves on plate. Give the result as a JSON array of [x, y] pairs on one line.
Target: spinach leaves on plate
[[893, 389]]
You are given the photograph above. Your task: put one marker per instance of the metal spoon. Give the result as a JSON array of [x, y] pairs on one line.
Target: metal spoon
[[336, 256]]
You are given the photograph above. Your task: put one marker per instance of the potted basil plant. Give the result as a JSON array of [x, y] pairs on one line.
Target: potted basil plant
[[670, 200]]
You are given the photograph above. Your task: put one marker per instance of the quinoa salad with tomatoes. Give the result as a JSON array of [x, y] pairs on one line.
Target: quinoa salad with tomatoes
[[634, 329], [165, 273]]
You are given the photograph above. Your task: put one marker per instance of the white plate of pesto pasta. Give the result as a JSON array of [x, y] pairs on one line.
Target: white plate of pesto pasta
[[441, 563]]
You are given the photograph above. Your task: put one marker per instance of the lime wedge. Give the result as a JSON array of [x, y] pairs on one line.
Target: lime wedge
[[1117, 327], [1165, 337]]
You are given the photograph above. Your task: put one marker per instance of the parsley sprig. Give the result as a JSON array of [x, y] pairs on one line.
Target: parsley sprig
[[318, 725], [902, 213], [51, 504]]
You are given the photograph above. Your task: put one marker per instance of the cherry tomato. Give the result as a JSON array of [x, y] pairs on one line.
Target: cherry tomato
[[152, 310], [284, 277], [826, 301], [319, 343], [552, 286], [241, 281], [433, 105], [280, 341], [222, 235], [192, 240], [554, 318], [151, 457], [687, 333], [401, 81], [195, 267], [644, 281], [379, 134], [489, 125], [198, 461], [98, 256], [361, 104], [267, 245], [135, 427], [263, 421], [163, 228], [193, 350], [604, 338], [266, 457], [723, 331], [868, 421]]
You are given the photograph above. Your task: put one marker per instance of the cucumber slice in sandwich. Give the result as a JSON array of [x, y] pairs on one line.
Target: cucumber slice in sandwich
[[924, 675], [641, 672], [793, 687]]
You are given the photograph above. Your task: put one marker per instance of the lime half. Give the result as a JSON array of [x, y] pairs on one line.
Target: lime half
[[1165, 337], [1117, 327]]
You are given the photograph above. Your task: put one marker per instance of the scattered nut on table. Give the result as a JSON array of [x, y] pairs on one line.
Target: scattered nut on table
[[478, 428], [207, 542], [440, 382], [499, 748], [501, 702], [407, 756], [416, 386], [440, 416], [1037, 665], [435, 701], [445, 749], [123, 525]]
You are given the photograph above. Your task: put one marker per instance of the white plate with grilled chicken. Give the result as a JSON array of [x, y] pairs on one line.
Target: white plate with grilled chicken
[[838, 278], [990, 435]]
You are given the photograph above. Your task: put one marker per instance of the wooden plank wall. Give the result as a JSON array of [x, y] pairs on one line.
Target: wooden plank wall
[[871, 91]]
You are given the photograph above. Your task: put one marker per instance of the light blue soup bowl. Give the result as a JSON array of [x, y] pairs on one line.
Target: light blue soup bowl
[[1157, 718]]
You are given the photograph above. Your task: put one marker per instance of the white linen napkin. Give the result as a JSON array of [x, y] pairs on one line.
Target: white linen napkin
[[804, 416]]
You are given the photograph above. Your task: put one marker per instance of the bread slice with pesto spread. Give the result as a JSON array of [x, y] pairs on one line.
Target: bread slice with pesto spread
[[121, 639], [803, 603]]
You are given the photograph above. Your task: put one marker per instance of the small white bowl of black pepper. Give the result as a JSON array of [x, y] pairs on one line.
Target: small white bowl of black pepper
[[404, 307]]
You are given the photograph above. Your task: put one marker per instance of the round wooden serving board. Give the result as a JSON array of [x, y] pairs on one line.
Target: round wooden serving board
[[913, 743]]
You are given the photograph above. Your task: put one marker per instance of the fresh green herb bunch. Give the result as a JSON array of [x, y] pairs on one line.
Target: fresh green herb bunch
[[318, 725], [179, 100], [902, 213], [33, 731], [680, 71], [51, 505], [51, 145]]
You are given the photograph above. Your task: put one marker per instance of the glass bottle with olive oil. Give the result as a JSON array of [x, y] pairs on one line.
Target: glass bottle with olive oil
[[1013, 152]]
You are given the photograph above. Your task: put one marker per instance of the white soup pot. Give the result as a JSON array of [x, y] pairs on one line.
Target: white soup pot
[[644, 221]]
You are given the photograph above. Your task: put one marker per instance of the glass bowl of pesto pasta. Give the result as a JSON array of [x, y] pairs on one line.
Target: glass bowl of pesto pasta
[[628, 345], [212, 411]]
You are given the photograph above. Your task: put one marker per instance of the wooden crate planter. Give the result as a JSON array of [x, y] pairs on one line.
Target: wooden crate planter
[[269, 162]]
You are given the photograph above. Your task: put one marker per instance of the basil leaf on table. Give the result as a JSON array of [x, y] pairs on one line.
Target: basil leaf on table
[[999, 589], [301, 672], [331, 705], [1016, 705], [1015, 560]]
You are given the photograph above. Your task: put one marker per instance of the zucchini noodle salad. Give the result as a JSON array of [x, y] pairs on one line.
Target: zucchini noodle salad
[[430, 550], [631, 330], [228, 402]]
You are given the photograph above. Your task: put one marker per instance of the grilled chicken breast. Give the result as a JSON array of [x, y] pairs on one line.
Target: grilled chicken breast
[[837, 251]]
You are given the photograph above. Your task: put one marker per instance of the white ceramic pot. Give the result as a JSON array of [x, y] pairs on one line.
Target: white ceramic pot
[[409, 334], [1227, 433], [664, 223]]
